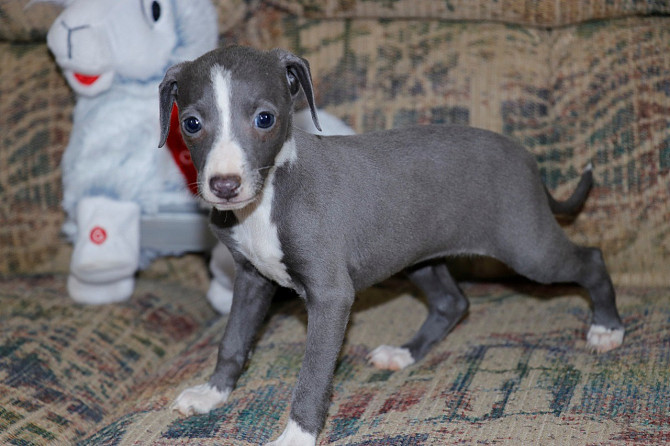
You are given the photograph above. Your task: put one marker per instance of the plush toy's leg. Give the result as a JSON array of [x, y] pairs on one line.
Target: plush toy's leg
[[222, 266], [106, 251]]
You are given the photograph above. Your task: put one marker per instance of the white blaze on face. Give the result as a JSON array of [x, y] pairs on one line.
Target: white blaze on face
[[226, 156]]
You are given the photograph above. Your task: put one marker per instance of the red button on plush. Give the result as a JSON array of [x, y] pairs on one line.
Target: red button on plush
[[98, 235]]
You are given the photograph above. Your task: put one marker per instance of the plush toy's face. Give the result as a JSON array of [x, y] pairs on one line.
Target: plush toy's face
[[98, 42]]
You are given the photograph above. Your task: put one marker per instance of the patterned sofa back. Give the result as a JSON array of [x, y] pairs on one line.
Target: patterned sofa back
[[571, 90], [20, 22]]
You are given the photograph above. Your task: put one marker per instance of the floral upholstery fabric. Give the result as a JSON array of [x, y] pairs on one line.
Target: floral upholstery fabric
[[574, 81]]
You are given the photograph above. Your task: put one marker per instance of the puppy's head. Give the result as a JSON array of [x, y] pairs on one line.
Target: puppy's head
[[235, 111]]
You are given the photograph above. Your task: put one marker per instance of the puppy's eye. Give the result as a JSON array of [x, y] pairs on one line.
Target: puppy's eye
[[192, 125], [264, 120]]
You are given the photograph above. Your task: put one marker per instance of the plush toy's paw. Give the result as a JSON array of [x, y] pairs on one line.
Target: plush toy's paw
[[293, 435], [222, 266], [220, 297], [100, 293], [106, 251], [107, 247], [602, 339], [387, 357], [199, 399]]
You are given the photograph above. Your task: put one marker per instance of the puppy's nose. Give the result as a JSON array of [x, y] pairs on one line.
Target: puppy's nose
[[225, 186]]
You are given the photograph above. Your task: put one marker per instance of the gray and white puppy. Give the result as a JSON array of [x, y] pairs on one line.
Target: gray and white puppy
[[327, 216]]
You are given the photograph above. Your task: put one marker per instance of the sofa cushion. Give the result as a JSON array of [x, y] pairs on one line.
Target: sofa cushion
[[66, 369], [594, 92], [516, 371], [20, 23], [35, 118], [543, 13]]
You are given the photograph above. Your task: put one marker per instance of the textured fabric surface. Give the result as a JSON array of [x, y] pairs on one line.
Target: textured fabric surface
[[535, 13], [65, 368], [595, 92], [35, 122], [515, 371], [20, 23]]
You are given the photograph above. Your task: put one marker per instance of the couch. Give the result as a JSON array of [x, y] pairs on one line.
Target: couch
[[574, 81]]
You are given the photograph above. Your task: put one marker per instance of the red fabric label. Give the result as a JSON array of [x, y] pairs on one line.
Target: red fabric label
[[98, 235], [180, 152]]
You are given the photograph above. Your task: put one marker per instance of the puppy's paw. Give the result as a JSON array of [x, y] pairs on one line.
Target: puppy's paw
[[387, 357], [199, 399], [293, 435], [602, 339]]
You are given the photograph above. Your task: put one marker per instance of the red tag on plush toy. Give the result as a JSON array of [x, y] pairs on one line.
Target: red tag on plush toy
[[180, 152], [98, 235]]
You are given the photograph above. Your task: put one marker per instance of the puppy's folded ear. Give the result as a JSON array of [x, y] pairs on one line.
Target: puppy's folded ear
[[298, 75], [167, 97]]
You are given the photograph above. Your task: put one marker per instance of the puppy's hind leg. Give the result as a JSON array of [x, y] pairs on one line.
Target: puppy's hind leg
[[446, 307], [607, 330], [562, 261]]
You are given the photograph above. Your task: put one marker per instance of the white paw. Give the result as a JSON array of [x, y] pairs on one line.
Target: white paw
[[199, 399], [100, 293], [387, 357], [293, 435], [602, 339]]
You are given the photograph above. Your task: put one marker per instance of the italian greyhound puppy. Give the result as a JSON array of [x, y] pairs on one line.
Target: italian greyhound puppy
[[327, 216]]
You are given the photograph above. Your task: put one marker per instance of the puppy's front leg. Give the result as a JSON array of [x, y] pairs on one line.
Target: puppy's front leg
[[252, 296], [327, 318]]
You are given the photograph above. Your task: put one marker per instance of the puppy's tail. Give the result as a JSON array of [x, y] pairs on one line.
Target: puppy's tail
[[572, 206]]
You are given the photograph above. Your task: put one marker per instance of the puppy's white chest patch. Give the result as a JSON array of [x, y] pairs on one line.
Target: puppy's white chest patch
[[257, 239]]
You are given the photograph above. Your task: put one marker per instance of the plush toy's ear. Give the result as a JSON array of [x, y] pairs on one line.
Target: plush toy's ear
[[298, 75], [167, 96]]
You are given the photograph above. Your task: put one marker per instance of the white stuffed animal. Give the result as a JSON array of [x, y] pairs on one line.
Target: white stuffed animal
[[117, 185], [127, 201]]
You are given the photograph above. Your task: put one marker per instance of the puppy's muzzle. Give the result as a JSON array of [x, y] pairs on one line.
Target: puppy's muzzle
[[225, 187]]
